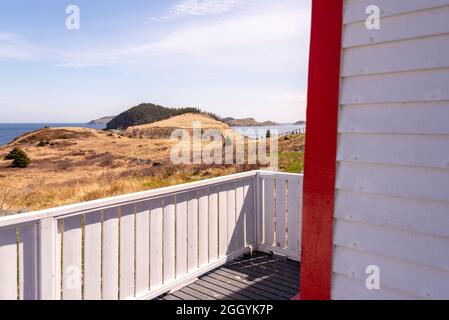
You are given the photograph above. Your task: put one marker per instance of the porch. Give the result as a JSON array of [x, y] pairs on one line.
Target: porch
[[257, 276], [234, 237]]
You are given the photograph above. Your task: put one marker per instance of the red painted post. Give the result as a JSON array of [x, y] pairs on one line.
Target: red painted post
[[321, 149]]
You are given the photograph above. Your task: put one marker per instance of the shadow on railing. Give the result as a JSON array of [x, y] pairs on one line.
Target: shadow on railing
[[142, 245]]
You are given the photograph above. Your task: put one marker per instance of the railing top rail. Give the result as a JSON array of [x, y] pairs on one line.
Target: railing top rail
[[102, 204]]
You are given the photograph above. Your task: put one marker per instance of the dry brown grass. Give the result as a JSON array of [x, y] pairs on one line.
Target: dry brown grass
[[87, 164]]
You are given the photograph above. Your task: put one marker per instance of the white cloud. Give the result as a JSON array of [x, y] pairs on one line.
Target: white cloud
[[271, 36], [185, 8]]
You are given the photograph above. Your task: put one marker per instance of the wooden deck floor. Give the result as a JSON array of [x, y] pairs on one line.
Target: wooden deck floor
[[253, 277]]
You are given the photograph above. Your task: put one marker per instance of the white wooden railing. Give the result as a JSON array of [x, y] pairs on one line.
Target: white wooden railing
[[141, 245]]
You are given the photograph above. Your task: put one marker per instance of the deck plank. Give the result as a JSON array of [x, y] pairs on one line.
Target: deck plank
[[258, 276]]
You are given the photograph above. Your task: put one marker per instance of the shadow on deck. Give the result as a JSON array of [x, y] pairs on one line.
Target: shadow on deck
[[257, 276]]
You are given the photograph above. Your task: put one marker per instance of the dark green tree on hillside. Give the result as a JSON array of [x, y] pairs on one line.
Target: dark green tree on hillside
[[19, 158]]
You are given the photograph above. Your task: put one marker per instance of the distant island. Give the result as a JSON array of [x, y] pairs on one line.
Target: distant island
[[248, 122], [147, 113], [300, 123], [101, 121]]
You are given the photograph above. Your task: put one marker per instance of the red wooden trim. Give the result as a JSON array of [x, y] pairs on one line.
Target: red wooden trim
[[321, 149]]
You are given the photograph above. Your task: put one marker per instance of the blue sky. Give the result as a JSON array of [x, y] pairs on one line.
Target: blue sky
[[240, 58]]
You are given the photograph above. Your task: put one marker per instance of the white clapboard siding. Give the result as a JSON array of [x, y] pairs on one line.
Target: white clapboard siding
[[396, 118], [72, 256], [428, 85], [8, 271], [92, 256], [169, 239], [406, 149], [142, 247], [395, 180], [419, 280], [422, 53], [392, 185], [156, 243], [354, 10], [406, 245], [399, 27], [417, 216], [28, 262], [110, 254], [355, 289]]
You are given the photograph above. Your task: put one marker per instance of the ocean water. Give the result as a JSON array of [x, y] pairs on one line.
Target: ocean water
[[9, 131], [283, 129]]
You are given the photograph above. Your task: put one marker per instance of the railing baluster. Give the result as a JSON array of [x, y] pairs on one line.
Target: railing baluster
[[169, 239], [92, 256], [156, 238], [142, 248], [203, 228], [110, 254]]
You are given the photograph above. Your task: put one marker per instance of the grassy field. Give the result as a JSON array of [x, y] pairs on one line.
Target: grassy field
[[75, 165]]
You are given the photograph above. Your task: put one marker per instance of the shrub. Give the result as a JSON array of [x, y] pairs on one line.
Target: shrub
[[43, 143], [19, 157]]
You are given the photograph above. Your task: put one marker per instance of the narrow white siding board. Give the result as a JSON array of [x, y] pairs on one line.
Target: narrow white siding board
[[72, 252], [231, 219], [28, 260], [213, 224], [181, 235], [418, 118], [423, 281], [294, 213], [110, 254], [203, 227], [405, 245], [429, 85], [400, 27], [8, 265], [354, 10], [142, 247], [169, 239], [401, 181], [412, 150], [192, 232], [269, 206], [92, 256], [427, 217], [347, 288], [222, 223], [156, 238], [413, 54], [281, 212]]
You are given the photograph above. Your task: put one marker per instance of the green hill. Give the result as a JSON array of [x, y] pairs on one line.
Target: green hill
[[148, 113]]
